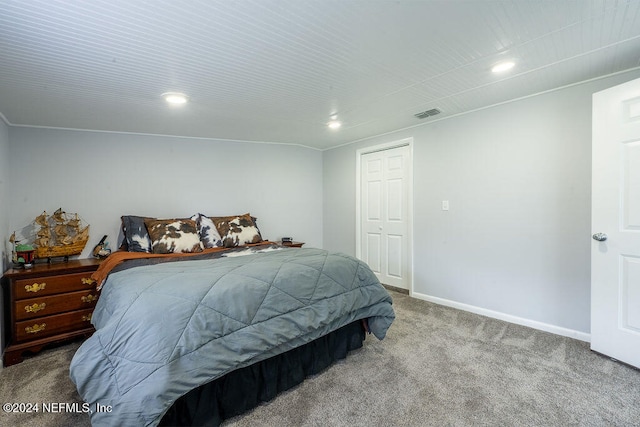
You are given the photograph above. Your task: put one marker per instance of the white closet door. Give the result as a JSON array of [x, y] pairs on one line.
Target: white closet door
[[385, 214]]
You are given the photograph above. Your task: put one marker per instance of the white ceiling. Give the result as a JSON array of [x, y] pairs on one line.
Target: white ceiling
[[275, 70]]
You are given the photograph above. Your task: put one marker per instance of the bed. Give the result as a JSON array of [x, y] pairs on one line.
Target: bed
[[192, 338]]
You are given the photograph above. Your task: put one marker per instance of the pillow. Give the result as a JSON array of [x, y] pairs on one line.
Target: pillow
[[209, 235], [173, 236], [136, 235], [237, 230]]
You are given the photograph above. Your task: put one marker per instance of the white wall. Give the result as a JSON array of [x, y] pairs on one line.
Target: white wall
[[516, 239], [4, 218], [103, 176]]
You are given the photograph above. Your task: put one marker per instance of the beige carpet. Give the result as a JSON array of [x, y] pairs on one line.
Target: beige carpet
[[437, 367]]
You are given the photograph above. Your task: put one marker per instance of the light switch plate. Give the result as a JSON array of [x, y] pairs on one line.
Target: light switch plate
[[445, 205]]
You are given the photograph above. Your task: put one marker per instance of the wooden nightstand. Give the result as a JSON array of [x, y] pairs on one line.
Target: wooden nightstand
[[47, 303], [293, 244]]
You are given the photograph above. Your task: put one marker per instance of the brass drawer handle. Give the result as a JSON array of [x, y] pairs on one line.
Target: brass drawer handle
[[36, 287], [35, 328], [87, 317], [89, 298], [35, 307], [87, 281]]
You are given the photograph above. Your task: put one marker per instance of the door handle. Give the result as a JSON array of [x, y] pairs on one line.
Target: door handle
[[600, 237]]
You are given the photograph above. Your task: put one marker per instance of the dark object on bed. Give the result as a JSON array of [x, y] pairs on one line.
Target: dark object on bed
[[245, 388]]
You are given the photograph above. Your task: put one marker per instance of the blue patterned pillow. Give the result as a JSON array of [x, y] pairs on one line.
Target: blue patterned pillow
[[208, 232], [136, 234]]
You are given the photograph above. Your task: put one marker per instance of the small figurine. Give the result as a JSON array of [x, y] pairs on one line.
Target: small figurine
[[22, 254], [101, 250]]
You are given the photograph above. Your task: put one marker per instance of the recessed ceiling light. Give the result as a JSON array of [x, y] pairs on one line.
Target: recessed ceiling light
[[175, 98], [334, 124], [503, 66]]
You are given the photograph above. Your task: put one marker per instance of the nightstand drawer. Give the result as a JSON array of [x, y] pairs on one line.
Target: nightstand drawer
[[46, 306], [39, 286], [52, 325]]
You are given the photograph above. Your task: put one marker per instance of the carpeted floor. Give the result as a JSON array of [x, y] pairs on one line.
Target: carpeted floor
[[437, 367]]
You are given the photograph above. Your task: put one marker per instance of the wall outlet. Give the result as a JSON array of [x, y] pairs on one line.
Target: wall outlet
[[445, 205]]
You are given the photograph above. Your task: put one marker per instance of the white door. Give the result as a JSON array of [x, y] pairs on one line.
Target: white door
[[615, 252], [384, 242]]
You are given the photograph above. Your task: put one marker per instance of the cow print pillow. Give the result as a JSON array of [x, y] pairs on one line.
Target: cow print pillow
[[173, 236], [237, 230], [208, 232], [135, 232]]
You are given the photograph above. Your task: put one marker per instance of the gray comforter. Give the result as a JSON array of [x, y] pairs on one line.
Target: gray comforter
[[162, 330]]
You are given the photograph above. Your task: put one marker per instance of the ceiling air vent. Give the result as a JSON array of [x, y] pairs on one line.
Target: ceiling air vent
[[427, 113]]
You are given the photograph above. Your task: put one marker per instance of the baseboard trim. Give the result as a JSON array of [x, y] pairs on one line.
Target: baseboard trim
[[558, 330]]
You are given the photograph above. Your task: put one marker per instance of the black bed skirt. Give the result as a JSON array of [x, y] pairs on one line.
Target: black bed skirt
[[244, 389]]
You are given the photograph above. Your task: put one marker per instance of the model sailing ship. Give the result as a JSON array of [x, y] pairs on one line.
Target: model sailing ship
[[60, 235]]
